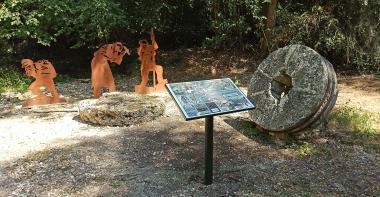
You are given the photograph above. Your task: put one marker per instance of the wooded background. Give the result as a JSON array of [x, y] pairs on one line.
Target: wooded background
[[344, 31]]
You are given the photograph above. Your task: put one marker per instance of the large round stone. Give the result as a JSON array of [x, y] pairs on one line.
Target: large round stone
[[292, 89], [121, 109]]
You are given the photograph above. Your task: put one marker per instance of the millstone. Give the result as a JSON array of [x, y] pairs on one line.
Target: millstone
[[121, 109], [293, 88]]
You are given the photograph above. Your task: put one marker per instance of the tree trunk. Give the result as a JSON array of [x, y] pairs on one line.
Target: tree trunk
[[215, 9], [269, 10]]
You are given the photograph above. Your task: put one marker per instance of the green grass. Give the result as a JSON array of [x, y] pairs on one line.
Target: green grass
[[303, 148], [100, 178], [251, 131], [357, 126], [352, 119], [67, 167], [236, 81], [115, 183], [13, 80]]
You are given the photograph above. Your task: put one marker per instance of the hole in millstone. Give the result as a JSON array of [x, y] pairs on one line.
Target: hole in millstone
[[281, 85]]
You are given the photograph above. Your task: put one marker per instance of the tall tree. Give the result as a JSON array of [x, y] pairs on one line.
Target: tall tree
[[269, 11]]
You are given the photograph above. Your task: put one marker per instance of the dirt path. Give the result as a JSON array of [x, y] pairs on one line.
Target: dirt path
[[57, 155], [362, 92]]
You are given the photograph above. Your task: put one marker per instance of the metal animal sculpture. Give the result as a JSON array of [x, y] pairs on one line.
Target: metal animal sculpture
[[101, 75], [44, 73], [147, 56]]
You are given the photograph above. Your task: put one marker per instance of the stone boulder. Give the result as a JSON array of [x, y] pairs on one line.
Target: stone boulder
[[293, 89], [121, 109]]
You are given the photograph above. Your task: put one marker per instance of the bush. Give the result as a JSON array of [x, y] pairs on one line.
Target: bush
[[347, 32], [44, 21], [11, 79], [93, 23], [235, 24]]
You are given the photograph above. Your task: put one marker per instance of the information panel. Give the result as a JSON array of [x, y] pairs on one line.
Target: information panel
[[198, 99]]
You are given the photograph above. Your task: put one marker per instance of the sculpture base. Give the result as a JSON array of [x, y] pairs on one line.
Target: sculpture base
[[144, 90], [150, 90], [42, 101]]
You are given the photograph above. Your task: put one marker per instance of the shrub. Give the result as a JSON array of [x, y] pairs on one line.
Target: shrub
[[92, 23], [235, 24], [347, 32], [352, 119], [12, 80], [45, 21]]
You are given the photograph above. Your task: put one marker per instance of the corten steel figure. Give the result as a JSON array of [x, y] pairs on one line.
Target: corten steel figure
[[101, 75], [147, 56], [44, 73]]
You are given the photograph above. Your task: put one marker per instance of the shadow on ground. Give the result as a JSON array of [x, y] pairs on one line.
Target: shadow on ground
[[168, 161]]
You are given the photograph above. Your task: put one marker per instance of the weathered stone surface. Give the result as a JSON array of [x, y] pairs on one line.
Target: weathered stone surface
[[293, 88], [121, 109]]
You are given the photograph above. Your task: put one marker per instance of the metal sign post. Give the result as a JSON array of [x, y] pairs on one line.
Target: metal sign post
[[206, 99], [209, 147]]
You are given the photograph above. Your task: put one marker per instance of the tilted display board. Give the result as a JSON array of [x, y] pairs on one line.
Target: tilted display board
[[206, 99], [199, 99]]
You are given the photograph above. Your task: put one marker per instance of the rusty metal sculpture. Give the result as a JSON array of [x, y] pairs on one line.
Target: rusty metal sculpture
[[44, 73], [101, 75], [147, 56]]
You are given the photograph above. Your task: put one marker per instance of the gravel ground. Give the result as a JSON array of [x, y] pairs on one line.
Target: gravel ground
[[55, 154]]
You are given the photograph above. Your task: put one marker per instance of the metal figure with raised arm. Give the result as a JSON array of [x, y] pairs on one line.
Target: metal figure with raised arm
[[44, 73], [101, 75], [147, 56]]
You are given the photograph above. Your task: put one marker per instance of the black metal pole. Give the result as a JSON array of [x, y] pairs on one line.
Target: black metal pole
[[209, 127]]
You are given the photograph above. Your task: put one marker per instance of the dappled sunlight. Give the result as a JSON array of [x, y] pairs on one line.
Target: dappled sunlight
[[205, 64], [304, 122], [21, 136], [151, 160], [362, 92]]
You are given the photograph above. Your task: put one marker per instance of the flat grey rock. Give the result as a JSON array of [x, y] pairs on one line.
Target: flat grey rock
[[121, 109]]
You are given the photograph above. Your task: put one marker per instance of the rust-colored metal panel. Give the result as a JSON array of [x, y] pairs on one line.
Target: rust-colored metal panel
[[147, 56], [44, 73], [101, 75]]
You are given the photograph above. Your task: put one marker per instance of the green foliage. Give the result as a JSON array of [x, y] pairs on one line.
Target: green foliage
[[44, 21], [303, 148], [11, 79], [347, 32], [234, 23], [377, 76], [358, 127], [100, 178], [92, 23], [251, 131], [353, 119], [115, 183]]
